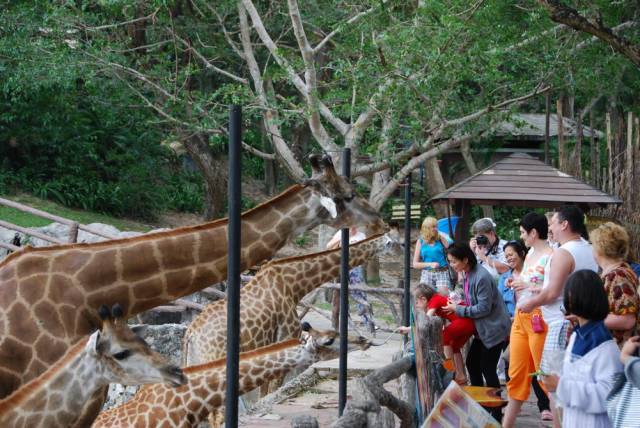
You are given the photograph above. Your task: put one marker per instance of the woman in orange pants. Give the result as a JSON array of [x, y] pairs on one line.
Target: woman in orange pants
[[529, 330]]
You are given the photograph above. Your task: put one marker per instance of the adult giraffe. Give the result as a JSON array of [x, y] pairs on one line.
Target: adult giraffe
[[49, 296]]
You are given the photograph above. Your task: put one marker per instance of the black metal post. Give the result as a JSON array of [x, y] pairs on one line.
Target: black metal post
[[344, 298], [233, 268], [407, 251]]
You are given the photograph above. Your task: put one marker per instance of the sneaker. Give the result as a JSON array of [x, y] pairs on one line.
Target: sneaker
[[546, 415]]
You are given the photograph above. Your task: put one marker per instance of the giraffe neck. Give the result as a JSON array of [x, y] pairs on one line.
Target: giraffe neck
[[206, 388], [56, 397], [302, 274]]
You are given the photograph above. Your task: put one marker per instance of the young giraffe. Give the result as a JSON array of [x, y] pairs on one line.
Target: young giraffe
[[268, 302], [49, 296], [115, 354], [187, 406]]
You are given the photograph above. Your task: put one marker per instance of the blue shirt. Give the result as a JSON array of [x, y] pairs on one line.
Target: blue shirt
[[435, 252], [508, 294]]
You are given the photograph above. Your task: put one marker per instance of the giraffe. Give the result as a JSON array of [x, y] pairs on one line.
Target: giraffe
[[49, 296], [188, 405], [114, 354], [268, 302]]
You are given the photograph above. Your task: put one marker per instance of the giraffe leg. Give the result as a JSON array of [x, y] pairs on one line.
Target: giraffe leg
[[91, 408]]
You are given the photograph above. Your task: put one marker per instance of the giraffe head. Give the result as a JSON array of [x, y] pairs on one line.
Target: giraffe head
[[336, 195], [125, 357], [325, 344]]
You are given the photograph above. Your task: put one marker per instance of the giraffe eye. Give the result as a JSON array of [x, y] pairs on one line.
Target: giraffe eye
[[122, 354], [329, 342], [349, 198]]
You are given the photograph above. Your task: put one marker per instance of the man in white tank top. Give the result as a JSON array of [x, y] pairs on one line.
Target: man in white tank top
[[574, 253]]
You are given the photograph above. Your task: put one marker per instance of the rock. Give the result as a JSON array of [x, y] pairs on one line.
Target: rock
[[304, 421]]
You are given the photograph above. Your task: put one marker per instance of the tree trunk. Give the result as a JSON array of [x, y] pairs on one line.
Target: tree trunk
[[465, 149], [214, 174], [434, 184]]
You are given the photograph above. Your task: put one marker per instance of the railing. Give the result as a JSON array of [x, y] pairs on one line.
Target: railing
[[74, 226]]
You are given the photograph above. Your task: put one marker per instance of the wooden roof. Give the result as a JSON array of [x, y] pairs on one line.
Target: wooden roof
[[522, 180]]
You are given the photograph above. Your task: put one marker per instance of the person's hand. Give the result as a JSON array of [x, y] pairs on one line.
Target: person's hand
[[629, 349], [473, 244], [527, 306], [572, 319], [435, 265], [404, 329], [550, 382], [450, 308], [519, 285]]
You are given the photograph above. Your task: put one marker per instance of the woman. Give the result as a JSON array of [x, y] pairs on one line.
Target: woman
[[488, 247], [592, 358], [483, 304], [529, 330], [610, 249], [623, 403], [430, 255], [515, 253]]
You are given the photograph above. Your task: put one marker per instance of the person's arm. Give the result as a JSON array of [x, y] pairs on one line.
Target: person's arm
[[560, 268], [497, 265], [431, 312], [620, 322], [444, 240], [482, 308], [335, 241]]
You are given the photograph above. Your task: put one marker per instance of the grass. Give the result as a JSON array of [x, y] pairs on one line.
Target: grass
[[24, 219]]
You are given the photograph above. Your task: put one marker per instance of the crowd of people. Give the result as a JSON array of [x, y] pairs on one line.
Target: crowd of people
[[559, 305]]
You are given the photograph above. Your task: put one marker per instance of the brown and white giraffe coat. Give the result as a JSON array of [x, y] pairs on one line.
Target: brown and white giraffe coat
[[56, 398], [268, 302], [49, 296], [188, 405]]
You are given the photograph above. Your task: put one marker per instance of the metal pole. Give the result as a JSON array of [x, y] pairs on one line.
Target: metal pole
[[407, 251], [233, 268], [344, 298]]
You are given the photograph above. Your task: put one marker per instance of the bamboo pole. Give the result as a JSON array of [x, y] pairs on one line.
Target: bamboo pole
[[577, 164], [595, 153], [547, 112], [629, 159], [562, 160], [609, 187]]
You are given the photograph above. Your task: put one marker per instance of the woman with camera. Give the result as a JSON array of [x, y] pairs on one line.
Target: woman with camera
[[488, 248]]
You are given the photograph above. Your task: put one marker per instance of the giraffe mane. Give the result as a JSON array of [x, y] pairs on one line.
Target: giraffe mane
[[149, 236], [33, 386], [243, 356], [319, 253]]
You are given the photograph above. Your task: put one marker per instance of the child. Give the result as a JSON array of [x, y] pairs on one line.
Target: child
[[454, 335], [591, 359]]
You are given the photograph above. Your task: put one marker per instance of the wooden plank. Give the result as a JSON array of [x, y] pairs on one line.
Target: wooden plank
[[31, 233], [48, 216], [10, 247]]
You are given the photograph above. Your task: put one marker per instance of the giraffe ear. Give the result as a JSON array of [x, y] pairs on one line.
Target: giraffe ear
[[93, 345], [329, 206]]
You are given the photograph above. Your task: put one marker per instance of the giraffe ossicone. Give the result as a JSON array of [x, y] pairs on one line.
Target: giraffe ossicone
[[113, 354], [188, 405]]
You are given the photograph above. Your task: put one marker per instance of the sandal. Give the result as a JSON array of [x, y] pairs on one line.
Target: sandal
[[448, 365]]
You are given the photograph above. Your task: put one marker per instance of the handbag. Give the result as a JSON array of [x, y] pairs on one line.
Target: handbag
[[622, 404]]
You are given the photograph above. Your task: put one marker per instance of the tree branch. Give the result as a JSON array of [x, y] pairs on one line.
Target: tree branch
[[270, 116], [208, 64], [564, 14], [337, 123], [310, 77]]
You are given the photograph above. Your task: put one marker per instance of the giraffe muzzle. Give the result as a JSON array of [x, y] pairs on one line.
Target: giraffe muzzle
[[175, 376]]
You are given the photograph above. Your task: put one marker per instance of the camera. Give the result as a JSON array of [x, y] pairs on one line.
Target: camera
[[482, 240]]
